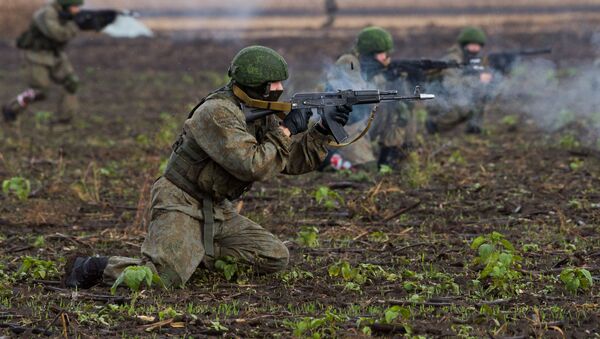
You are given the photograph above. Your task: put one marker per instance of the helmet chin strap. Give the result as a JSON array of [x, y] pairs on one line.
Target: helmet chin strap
[[280, 107]]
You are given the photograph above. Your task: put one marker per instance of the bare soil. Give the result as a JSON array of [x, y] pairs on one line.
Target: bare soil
[[90, 190]]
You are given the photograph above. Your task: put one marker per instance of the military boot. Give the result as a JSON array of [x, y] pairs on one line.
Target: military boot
[[431, 126], [390, 156], [9, 114], [84, 272]]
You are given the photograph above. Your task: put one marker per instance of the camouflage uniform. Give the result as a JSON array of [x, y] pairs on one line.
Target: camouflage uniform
[[46, 61], [393, 126], [236, 154], [462, 95]]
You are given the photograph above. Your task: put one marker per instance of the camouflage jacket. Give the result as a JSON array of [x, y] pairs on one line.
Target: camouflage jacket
[[45, 40], [239, 154]]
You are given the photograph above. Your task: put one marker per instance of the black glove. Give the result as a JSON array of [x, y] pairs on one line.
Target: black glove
[[297, 120], [340, 114]]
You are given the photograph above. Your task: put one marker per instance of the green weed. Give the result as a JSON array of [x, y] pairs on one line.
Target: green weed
[[327, 197], [18, 186], [308, 237], [37, 269], [500, 261], [576, 279]]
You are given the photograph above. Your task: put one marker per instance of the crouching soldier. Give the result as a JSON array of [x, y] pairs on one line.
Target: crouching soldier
[[465, 90], [46, 61], [394, 125], [214, 161]]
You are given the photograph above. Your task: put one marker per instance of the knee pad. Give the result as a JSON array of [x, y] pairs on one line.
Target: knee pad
[[71, 84], [30, 95]]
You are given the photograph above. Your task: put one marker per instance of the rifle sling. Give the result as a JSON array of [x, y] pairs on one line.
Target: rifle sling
[[362, 134], [280, 108]]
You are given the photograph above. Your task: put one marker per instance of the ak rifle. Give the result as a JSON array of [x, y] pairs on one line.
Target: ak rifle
[[320, 100]]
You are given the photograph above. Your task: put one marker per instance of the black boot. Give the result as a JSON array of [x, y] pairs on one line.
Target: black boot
[[84, 272], [473, 129], [431, 127], [9, 114], [390, 156]]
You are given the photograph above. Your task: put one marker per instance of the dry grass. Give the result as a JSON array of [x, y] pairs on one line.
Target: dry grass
[[15, 16]]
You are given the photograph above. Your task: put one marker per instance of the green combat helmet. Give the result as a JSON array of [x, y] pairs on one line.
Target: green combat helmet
[[372, 40], [66, 3], [256, 65], [471, 35]]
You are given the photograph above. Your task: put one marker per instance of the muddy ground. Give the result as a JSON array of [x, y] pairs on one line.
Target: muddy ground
[[404, 235]]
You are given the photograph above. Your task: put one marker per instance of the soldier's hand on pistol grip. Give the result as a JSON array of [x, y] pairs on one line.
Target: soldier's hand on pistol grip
[[297, 120], [341, 114]]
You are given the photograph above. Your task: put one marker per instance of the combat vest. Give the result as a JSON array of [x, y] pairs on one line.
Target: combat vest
[[33, 39], [188, 159]]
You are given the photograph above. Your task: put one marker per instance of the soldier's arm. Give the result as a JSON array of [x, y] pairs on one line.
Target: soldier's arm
[[307, 152], [49, 23], [219, 128]]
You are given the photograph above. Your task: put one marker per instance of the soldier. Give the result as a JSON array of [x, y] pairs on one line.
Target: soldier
[[46, 62], [215, 160], [464, 89], [393, 127]]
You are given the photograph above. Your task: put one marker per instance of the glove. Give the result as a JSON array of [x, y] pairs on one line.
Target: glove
[[340, 114], [297, 120]]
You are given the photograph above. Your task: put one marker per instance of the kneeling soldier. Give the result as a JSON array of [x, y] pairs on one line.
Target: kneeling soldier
[[215, 160]]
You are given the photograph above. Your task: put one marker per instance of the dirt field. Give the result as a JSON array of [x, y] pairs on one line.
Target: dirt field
[[384, 254]]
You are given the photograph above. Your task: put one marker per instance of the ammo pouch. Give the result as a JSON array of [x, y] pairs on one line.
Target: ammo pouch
[[183, 168]]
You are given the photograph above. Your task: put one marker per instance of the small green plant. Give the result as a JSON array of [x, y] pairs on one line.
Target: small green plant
[[569, 141], [456, 158], [500, 262], [217, 326], [378, 236], [328, 197], [385, 170], [167, 313], [417, 172], [348, 273], [308, 237], [39, 241], [134, 277], [229, 266], [18, 186], [510, 121], [42, 118], [37, 269], [295, 275], [316, 328], [576, 164], [576, 279]]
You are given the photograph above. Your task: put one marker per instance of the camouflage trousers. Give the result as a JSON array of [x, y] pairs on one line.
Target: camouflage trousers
[[43, 70], [174, 248], [391, 128]]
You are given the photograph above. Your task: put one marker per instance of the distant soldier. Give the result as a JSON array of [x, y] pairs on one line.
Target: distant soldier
[[214, 161], [46, 62], [464, 91], [393, 127], [331, 9]]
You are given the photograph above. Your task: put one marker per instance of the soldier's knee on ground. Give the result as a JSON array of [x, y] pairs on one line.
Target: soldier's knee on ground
[[71, 84]]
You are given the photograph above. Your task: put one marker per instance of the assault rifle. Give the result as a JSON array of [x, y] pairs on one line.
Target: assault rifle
[[416, 70], [320, 100], [96, 20], [503, 62]]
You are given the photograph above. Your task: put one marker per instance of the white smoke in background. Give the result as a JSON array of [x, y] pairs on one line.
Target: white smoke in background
[[555, 99]]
